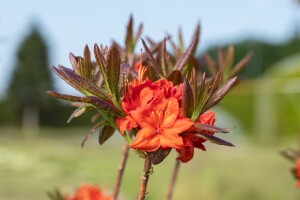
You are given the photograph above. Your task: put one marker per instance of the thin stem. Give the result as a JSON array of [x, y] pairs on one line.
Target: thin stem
[[145, 178], [173, 180], [121, 171]]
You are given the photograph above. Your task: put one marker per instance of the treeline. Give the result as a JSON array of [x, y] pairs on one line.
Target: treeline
[[265, 54], [26, 98]]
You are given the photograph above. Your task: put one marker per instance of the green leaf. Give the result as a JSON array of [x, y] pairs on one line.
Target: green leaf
[[187, 99], [105, 134], [175, 77], [113, 70]]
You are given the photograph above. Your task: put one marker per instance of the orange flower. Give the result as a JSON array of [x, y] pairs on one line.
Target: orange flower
[[191, 141], [160, 126], [297, 173], [155, 109], [89, 192]]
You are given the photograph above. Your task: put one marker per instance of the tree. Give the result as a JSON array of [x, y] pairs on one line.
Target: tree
[[30, 79]]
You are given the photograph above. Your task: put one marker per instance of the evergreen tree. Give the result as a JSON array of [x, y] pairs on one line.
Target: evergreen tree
[[30, 79]]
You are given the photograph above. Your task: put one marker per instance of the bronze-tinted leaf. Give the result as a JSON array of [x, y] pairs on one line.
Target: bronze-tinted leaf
[[159, 155], [211, 65], [113, 69], [175, 77], [291, 154], [84, 84], [152, 61], [163, 58], [214, 139], [187, 99], [129, 35], [184, 59], [91, 132], [101, 104], [101, 63], [105, 134], [74, 62], [87, 63], [213, 129], [237, 68], [138, 33], [221, 92], [67, 79], [65, 97]]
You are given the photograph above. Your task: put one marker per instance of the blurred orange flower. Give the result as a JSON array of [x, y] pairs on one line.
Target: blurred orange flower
[[297, 173], [89, 192]]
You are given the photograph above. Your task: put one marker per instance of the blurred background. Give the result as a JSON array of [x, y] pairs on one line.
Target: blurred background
[[39, 151]]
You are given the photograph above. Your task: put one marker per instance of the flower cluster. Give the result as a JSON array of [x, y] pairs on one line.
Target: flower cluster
[[88, 192], [155, 110]]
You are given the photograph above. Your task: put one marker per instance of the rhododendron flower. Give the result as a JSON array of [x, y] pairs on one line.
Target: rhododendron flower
[[297, 173], [89, 192], [154, 108], [160, 126], [191, 141]]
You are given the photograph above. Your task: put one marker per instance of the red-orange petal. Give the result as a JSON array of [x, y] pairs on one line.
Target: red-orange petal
[[170, 140], [125, 123], [170, 113], [146, 140], [179, 126]]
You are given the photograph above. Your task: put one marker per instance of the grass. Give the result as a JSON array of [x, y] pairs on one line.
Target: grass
[[29, 167]]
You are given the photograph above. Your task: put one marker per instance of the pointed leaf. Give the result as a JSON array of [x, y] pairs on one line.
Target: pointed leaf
[[101, 63], [87, 63], [74, 62], [113, 69], [187, 99], [153, 62], [91, 132], [175, 77], [219, 95], [189, 52], [105, 134], [159, 155], [129, 34], [214, 139], [211, 65], [213, 129], [163, 58], [67, 79], [85, 84], [240, 64], [138, 33], [78, 112], [291, 154]]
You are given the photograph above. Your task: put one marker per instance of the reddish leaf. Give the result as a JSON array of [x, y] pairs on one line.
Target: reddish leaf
[[105, 134], [187, 99], [159, 155], [213, 129], [214, 139]]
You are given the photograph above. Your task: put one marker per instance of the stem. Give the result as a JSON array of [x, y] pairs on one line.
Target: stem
[[145, 178], [121, 171], [173, 180]]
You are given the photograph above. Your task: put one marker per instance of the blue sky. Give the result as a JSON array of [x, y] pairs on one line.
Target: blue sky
[[69, 25]]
